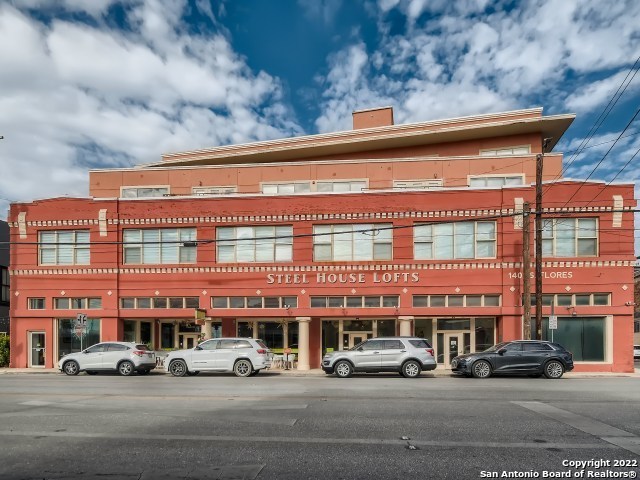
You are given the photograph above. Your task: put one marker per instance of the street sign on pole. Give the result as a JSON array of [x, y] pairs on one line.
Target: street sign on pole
[[553, 324], [80, 327]]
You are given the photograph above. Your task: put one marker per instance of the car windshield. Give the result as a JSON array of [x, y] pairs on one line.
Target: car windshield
[[496, 347], [142, 347]]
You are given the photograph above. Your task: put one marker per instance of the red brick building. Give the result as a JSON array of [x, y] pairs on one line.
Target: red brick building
[[318, 242]]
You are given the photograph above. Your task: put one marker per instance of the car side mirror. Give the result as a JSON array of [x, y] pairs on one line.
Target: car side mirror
[[360, 349], [501, 351], [198, 347]]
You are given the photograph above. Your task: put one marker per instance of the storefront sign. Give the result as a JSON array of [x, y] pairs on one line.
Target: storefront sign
[[344, 278], [548, 274]]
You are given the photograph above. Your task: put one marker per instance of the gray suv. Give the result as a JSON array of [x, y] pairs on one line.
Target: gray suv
[[406, 355]]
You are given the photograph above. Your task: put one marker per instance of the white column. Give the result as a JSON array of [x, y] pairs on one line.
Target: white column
[[176, 335], [405, 326], [303, 343], [206, 329]]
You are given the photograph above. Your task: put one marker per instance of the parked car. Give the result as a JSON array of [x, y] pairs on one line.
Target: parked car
[[243, 356], [530, 357], [123, 357], [406, 355], [636, 352]]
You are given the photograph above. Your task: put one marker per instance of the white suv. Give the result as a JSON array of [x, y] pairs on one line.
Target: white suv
[[243, 356], [123, 357]]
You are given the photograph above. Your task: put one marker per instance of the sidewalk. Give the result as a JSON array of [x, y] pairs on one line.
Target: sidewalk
[[317, 372]]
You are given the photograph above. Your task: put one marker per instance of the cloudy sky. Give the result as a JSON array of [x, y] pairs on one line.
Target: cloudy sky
[[108, 83]]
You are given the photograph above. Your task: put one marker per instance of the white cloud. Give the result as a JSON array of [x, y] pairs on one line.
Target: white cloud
[[599, 92], [77, 96]]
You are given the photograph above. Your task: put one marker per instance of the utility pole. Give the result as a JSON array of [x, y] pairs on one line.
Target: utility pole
[[539, 158], [526, 269]]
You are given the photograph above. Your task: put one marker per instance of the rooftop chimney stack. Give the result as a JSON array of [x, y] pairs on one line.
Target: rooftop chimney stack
[[373, 117]]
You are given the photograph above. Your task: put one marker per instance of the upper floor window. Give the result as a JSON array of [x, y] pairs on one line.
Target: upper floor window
[[65, 303], [36, 303], [457, 240], [495, 180], [345, 242], [254, 244], [4, 284], [143, 192], [417, 184], [341, 186], [214, 190], [160, 245], [570, 237], [286, 188], [64, 247], [500, 152]]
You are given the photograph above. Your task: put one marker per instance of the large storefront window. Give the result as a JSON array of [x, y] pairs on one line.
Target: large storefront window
[[485, 336], [137, 331], [446, 241], [167, 336], [352, 242], [424, 329], [70, 340], [584, 337]]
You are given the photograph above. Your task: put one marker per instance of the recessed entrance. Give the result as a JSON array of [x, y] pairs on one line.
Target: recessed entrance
[[188, 340], [36, 349], [354, 339], [453, 346]]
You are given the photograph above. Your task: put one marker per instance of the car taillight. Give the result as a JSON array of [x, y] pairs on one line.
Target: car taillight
[[139, 352], [261, 351], [430, 351]]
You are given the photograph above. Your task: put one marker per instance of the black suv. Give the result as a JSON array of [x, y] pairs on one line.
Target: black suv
[[529, 357]]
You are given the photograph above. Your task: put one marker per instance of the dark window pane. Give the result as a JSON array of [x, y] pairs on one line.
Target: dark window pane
[[254, 302], [166, 335], [95, 303], [372, 302], [420, 301], [318, 302], [144, 302], [492, 300], [564, 300], [420, 343], [513, 347], [601, 299], [373, 345], [245, 329], [128, 302], [474, 300], [243, 344], [225, 344], [454, 324], [354, 302], [219, 302], [456, 300], [291, 302], [390, 301], [145, 332], [272, 302], [115, 347], [192, 302], [336, 302], [160, 302], [236, 302], [395, 344], [386, 328], [437, 300], [583, 300], [176, 302], [129, 330]]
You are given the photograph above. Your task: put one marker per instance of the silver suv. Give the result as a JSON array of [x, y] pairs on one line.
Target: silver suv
[[123, 357], [243, 356], [406, 355]]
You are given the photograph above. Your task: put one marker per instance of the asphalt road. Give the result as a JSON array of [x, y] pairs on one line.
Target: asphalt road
[[272, 426]]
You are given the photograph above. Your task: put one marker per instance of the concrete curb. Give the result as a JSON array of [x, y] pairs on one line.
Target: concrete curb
[[320, 373]]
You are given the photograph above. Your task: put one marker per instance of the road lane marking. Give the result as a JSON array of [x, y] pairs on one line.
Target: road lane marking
[[308, 440], [604, 431]]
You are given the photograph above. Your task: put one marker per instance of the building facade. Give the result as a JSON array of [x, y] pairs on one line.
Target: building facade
[[4, 278], [316, 243]]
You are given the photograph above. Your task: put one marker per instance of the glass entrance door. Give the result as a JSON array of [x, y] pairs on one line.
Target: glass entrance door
[[188, 340], [37, 349], [453, 346], [354, 338]]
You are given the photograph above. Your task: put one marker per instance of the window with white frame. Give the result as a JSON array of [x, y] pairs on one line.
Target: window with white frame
[[501, 152], [63, 247], [341, 185], [286, 188], [254, 244], [214, 190], [143, 192], [36, 303], [495, 180], [456, 240], [570, 237], [346, 242], [418, 184], [159, 246]]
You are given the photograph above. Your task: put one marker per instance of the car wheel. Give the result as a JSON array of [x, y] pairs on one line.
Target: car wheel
[[411, 369], [178, 368], [481, 369], [91, 372], [143, 372], [343, 369], [243, 368], [71, 367], [126, 368], [553, 369]]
